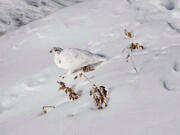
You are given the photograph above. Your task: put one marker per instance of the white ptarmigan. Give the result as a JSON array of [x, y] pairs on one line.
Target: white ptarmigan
[[73, 59]]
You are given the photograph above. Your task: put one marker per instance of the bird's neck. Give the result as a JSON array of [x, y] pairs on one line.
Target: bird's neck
[[57, 59]]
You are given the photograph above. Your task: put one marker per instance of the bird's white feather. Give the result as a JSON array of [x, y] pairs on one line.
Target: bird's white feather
[[73, 58]]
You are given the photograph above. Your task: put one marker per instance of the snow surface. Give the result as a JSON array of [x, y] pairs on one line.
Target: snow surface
[[143, 103], [16, 13]]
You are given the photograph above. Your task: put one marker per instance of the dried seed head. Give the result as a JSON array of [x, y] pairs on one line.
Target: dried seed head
[[87, 69], [99, 95], [128, 34], [70, 91], [142, 47], [132, 46]]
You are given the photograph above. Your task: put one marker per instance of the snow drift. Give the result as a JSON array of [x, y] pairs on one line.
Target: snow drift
[[140, 103]]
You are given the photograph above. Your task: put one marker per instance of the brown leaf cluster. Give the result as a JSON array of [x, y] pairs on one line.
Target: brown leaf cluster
[[128, 34], [134, 46], [99, 95], [87, 69], [84, 69], [72, 95]]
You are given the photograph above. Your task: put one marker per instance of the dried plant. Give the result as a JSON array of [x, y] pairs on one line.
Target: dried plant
[[128, 34], [87, 68], [136, 46], [133, 64], [84, 69], [44, 111], [99, 96], [132, 47], [72, 95], [80, 75], [99, 93]]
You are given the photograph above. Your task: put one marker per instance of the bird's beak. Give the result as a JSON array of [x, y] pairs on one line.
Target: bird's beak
[[50, 51]]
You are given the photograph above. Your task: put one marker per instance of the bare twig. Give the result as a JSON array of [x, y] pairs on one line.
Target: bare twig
[[44, 111], [133, 64]]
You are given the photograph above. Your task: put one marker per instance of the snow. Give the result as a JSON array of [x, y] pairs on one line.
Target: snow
[[140, 103], [17, 13]]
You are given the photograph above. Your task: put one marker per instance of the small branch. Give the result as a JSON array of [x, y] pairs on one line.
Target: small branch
[[81, 74], [44, 111], [86, 77], [133, 64]]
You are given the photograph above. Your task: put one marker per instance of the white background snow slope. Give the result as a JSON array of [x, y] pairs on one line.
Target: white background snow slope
[[16, 13], [143, 103]]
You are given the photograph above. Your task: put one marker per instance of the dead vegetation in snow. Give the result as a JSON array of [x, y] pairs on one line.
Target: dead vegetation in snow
[[99, 93], [132, 47], [69, 91]]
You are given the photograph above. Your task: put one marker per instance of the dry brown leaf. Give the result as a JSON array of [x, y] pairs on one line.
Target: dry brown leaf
[[128, 34], [69, 91]]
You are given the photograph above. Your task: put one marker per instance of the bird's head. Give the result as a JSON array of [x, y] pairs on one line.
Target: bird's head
[[56, 50]]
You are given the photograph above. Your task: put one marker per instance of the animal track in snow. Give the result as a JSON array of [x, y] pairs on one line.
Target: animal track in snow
[[166, 85], [173, 27], [170, 85], [159, 53], [129, 1], [173, 84], [168, 4], [20, 90], [35, 82], [176, 67], [9, 101]]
